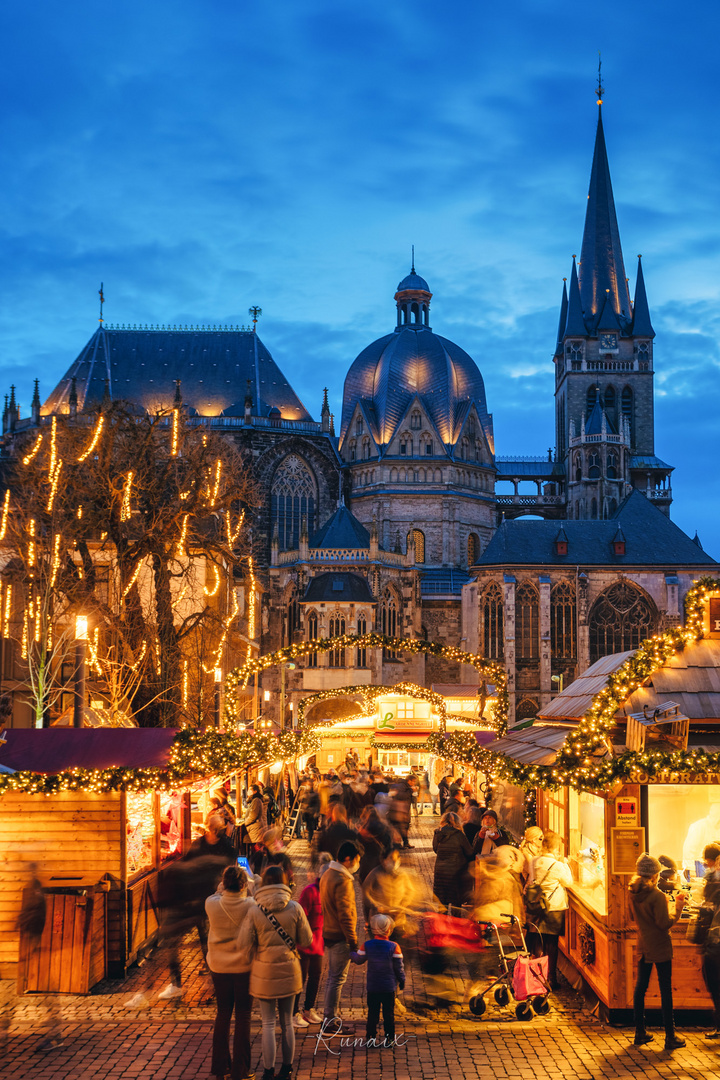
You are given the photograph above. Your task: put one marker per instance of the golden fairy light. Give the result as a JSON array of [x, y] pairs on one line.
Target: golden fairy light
[[175, 432], [53, 447], [5, 512], [232, 536], [8, 610], [54, 486], [251, 600], [95, 439], [93, 648], [79, 512], [183, 536], [216, 487], [125, 512], [31, 542], [38, 619], [185, 685], [55, 560], [213, 591], [36, 446], [158, 657], [133, 579], [24, 641], [141, 657]]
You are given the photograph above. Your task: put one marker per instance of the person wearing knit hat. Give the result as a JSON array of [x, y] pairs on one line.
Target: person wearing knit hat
[[654, 920], [490, 835], [385, 975]]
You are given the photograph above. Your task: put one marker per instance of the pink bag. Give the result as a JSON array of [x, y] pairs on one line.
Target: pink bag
[[530, 976]]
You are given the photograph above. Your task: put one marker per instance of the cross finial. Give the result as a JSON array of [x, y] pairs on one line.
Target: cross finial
[[255, 313], [412, 268], [102, 301], [600, 90]]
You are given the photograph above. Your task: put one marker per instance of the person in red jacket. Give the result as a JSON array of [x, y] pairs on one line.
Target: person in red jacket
[[311, 958]]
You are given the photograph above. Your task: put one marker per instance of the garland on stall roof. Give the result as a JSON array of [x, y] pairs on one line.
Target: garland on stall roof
[[585, 760], [370, 694], [193, 755], [490, 671]]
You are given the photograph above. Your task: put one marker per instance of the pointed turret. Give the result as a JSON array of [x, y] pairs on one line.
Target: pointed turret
[[13, 411], [575, 326], [601, 260], [35, 405], [325, 411], [642, 327], [177, 400], [563, 318]]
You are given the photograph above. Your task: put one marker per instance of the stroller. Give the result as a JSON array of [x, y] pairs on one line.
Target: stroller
[[523, 978]]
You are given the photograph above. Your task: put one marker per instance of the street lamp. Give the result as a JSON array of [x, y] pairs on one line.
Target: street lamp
[[558, 679], [218, 684], [81, 633]]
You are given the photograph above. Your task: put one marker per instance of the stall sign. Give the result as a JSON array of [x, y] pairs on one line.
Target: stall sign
[[715, 616], [402, 715], [627, 845], [667, 776], [626, 811]]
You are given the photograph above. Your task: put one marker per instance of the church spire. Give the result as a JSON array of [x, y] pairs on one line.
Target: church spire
[[642, 327], [563, 317], [601, 260], [575, 326]]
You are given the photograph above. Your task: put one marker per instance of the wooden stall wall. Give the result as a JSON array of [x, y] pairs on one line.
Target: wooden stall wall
[[68, 833]]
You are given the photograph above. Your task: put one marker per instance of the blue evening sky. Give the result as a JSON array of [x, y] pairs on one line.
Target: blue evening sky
[[202, 157]]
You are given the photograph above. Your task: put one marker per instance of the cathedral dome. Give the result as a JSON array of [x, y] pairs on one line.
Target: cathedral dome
[[413, 362]]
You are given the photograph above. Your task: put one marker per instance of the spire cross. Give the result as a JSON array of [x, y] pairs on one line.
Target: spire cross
[[600, 90], [101, 294], [255, 313], [412, 268]]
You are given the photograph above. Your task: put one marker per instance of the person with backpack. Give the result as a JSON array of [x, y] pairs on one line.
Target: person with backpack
[[271, 933], [546, 902]]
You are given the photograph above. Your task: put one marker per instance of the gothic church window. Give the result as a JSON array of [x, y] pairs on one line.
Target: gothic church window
[[526, 709], [574, 353], [353, 449], [292, 623], [311, 629], [418, 538], [359, 426], [610, 399], [643, 355], [611, 467], [491, 623], [527, 622], [337, 629], [366, 449], [389, 621], [594, 466], [578, 468], [620, 619], [591, 398], [563, 639], [293, 497], [628, 411], [361, 653]]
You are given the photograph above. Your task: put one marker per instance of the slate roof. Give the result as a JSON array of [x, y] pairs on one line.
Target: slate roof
[[649, 461], [338, 588], [442, 582], [541, 469], [413, 281], [214, 366], [343, 530], [652, 539]]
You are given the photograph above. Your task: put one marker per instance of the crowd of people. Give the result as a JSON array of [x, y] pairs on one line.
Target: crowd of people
[[267, 940]]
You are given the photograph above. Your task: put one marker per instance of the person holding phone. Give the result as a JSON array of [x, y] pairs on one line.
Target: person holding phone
[[489, 836]]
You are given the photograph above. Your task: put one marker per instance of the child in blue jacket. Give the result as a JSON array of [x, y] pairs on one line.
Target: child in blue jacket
[[385, 974]]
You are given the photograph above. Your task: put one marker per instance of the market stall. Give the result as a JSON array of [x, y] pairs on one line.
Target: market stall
[[626, 760]]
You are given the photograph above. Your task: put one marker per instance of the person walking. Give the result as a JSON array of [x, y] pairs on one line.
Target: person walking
[[385, 976], [653, 919], [311, 958], [550, 874], [255, 824], [339, 911], [270, 934], [230, 971], [451, 883], [710, 946]]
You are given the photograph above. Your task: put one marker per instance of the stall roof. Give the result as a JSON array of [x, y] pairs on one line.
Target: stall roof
[[576, 699], [53, 750], [536, 745], [691, 678]]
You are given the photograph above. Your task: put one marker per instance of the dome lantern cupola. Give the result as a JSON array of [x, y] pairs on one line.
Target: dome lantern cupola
[[413, 298]]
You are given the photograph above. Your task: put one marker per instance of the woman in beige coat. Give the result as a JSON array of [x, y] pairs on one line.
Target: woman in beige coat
[[272, 932]]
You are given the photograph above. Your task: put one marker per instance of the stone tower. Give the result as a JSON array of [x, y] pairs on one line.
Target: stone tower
[[604, 414]]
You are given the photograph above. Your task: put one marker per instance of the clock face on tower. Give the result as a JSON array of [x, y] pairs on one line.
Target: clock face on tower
[[608, 341]]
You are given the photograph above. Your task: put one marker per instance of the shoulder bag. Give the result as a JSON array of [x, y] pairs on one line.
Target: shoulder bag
[[287, 940]]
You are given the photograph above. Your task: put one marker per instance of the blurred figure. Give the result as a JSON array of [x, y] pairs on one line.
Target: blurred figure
[[389, 890], [472, 821], [399, 811], [311, 957], [254, 825], [531, 846], [451, 879], [455, 801], [444, 791], [551, 872], [275, 854], [31, 924], [336, 833], [310, 809], [376, 839], [497, 890]]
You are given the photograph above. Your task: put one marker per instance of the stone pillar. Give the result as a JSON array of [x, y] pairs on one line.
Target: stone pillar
[[545, 666], [509, 634]]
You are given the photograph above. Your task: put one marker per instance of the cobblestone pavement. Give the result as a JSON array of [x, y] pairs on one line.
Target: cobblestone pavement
[[101, 1038]]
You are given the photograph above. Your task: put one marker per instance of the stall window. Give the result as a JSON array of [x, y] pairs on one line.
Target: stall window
[[586, 854], [140, 832], [554, 805], [681, 821]]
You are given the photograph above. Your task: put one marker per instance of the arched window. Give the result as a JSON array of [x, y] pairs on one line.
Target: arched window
[[311, 634], [389, 621], [620, 619], [418, 538], [292, 498], [337, 629], [643, 355], [592, 396], [361, 654], [563, 637], [359, 426], [473, 548], [611, 466], [415, 420], [415, 313], [406, 444], [527, 622], [491, 623], [366, 449], [612, 507], [292, 622], [609, 399], [594, 466], [578, 468], [628, 411], [526, 709]]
